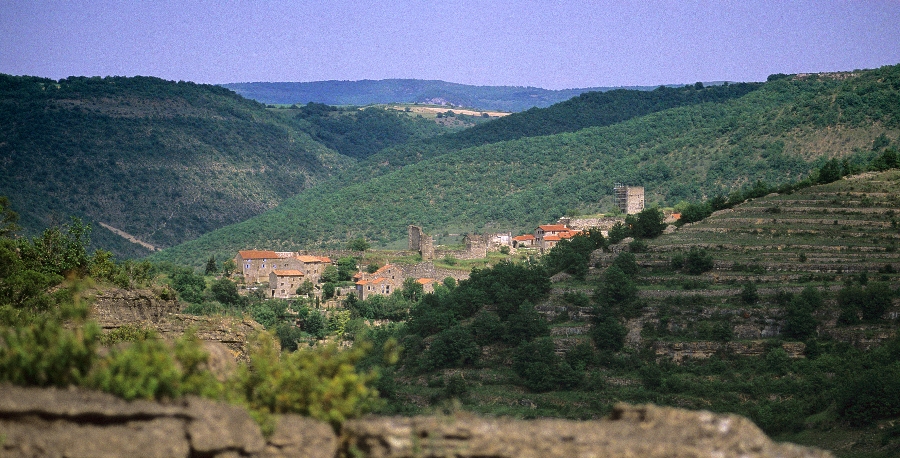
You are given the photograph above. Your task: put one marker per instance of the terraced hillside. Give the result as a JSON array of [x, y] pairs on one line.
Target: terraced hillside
[[783, 309], [824, 237]]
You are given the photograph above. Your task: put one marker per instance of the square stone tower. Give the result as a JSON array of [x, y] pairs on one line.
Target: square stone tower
[[629, 199]]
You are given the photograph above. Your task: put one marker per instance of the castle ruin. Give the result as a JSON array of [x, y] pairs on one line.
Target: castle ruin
[[421, 243], [629, 199]]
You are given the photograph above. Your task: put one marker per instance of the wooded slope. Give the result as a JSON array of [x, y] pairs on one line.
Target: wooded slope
[[777, 133]]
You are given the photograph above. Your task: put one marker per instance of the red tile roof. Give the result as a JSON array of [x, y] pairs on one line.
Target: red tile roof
[[425, 281], [258, 254], [523, 238], [553, 228], [382, 269], [552, 238], [309, 259], [288, 273]]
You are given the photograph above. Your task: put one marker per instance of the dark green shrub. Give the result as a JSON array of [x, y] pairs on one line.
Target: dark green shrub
[[151, 369], [225, 291], [617, 289], [524, 325], [541, 369], [452, 347], [749, 294], [608, 334], [487, 328], [870, 395], [627, 263], [40, 351], [320, 382], [698, 261], [581, 356]]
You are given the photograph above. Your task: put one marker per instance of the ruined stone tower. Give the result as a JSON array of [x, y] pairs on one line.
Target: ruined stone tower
[[629, 199], [421, 243]]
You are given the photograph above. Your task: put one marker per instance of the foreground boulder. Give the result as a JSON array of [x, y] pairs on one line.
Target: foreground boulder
[[75, 423]]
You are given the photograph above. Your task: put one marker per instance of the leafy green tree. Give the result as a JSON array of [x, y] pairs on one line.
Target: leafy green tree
[[581, 356], [618, 232], [228, 267], [264, 315], [831, 171], [328, 290], [800, 323], [606, 331], [617, 289], [102, 266], [487, 328], [648, 223], [212, 267], [452, 347], [59, 250], [525, 325], [346, 267], [695, 212], [749, 294], [627, 263], [314, 323], [359, 244], [225, 291], [412, 290], [305, 288], [330, 275], [878, 299], [573, 255], [189, 286], [541, 369], [8, 218], [697, 261]]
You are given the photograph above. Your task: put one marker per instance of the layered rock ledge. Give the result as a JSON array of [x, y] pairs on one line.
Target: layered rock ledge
[[75, 423]]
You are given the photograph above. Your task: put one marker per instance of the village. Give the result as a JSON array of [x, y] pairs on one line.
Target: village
[[287, 275]]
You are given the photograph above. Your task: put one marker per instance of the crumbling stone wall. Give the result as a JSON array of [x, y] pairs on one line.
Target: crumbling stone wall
[[428, 270], [421, 243], [79, 423]]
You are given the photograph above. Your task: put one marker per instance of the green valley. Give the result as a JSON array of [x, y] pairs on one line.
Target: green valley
[[777, 133]]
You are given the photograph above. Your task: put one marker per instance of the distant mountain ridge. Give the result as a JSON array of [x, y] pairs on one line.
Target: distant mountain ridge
[[368, 92]]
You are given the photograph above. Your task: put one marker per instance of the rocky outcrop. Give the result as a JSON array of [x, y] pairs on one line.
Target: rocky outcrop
[[78, 423], [115, 308], [678, 351]]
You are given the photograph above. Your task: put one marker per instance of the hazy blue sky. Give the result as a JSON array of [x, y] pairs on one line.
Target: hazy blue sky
[[549, 44]]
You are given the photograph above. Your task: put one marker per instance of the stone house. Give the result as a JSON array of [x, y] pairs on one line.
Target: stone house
[[548, 235], [311, 266], [283, 283], [256, 265], [427, 284], [383, 281], [523, 241]]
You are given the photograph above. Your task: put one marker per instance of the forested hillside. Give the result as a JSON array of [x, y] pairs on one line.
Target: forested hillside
[[162, 161], [776, 133], [369, 92], [360, 133]]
